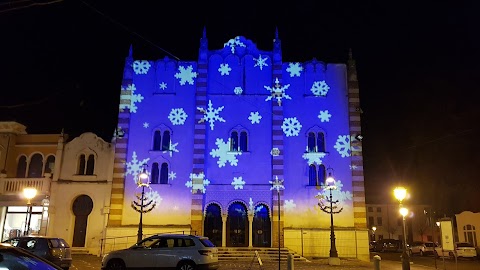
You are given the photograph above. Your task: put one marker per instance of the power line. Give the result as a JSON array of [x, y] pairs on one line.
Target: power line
[[32, 103], [32, 4], [129, 30]]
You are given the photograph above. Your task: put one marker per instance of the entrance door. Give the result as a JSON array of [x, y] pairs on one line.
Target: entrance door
[[237, 226], [213, 224], [82, 207], [261, 227]]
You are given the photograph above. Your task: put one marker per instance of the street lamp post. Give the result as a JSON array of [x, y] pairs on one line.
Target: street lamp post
[[330, 185], [143, 181], [29, 193], [374, 229], [400, 194], [277, 184]]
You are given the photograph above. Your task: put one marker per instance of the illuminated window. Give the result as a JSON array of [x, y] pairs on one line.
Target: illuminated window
[[164, 174], [238, 144], [155, 173], [316, 142], [35, 167], [470, 234], [50, 164], [316, 175], [22, 167], [162, 140]]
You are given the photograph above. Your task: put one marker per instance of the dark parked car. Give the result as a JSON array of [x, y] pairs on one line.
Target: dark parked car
[[53, 249], [19, 259], [386, 245]]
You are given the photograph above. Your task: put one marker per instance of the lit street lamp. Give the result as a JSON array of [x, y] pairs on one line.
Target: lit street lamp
[[330, 185], [29, 193], [374, 229], [277, 184], [400, 193], [142, 181]]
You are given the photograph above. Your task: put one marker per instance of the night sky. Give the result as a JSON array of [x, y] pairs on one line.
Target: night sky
[[62, 63]]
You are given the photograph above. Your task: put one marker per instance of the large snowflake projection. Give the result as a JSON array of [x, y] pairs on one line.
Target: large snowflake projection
[[224, 69], [135, 166], [163, 85], [260, 62], [238, 182], [172, 148], [154, 196], [128, 98], [294, 69], [320, 88], [141, 66], [146, 124], [324, 116], [255, 117], [233, 43], [275, 152], [172, 175], [289, 205], [197, 182], [291, 126], [353, 167], [277, 92], [238, 90], [185, 75], [314, 157], [343, 145], [277, 184], [211, 115], [224, 154], [337, 192], [177, 116]]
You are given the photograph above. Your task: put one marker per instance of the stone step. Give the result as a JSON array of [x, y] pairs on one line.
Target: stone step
[[245, 253], [79, 251]]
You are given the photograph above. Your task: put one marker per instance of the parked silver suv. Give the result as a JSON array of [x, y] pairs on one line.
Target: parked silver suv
[[422, 248], [165, 251]]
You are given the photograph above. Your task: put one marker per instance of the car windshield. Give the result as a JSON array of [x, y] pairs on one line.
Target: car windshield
[[464, 245]]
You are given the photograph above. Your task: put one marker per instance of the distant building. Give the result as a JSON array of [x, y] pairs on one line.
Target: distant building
[[468, 223], [215, 134]]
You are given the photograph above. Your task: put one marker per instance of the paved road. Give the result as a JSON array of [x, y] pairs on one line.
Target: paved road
[[432, 262]]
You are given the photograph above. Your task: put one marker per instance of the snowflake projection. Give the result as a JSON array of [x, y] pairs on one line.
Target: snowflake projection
[[289, 205], [314, 157], [320, 88], [260, 62], [294, 69], [238, 182], [343, 145], [224, 69], [135, 166], [146, 124], [275, 152], [185, 75], [154, 196], [277, 92], [277, 184], [255, 117], [172, 175], [172, 148], [223, 153], [324, 116], [141, 66], [129, 96], [163, 85], [353, 167], [337, 192], [211, 115], [197, 182], [238, 90], [233, 43], [177, 116], [291, 126]]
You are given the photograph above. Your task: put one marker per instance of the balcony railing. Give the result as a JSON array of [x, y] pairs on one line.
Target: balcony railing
[[16, 185]]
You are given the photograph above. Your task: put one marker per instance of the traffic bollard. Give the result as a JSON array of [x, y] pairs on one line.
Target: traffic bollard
[[376, 262], [290, 261]]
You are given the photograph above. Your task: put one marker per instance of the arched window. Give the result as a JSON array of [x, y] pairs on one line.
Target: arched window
[[243, 141], [50, 164], [157, 140], [154, 173], [164, 174], [320, 142], [470, 234], [234, 141], [311, 142], [321, 174], [166, 141], [81, 164], [90, 165], [312, 175], [22, 167], [316, 142], [35, 167]]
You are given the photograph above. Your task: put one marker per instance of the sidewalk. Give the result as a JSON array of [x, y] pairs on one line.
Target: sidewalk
[[356, 264]]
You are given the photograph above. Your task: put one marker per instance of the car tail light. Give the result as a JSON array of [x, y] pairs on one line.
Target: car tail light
[[205, 252]]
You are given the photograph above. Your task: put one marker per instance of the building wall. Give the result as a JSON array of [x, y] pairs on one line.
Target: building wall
[[468, 224]]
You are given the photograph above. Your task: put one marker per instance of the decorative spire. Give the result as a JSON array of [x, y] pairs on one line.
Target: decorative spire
[[203, 52], [204, 32], [277, 47], [130, 51]]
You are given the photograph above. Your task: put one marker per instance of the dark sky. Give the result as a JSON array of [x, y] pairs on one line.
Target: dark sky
[[417, 62]]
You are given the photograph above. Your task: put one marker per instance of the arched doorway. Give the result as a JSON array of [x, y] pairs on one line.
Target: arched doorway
[[261, 227], [213, 224], [237, 225], [82, 207]]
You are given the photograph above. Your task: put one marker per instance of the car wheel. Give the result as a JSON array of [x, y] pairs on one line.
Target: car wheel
[[116, 264], [451, 255], [186, 266], [421, 253]]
